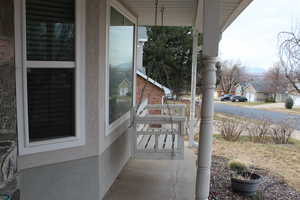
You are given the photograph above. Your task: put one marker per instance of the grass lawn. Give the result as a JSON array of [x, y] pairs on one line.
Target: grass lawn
[[282, 160]]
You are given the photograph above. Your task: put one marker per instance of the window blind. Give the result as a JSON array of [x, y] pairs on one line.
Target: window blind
[[50, 36], [51, 103], [50, 30]]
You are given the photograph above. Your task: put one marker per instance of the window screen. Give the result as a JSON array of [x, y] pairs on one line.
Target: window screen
[[50, 30]]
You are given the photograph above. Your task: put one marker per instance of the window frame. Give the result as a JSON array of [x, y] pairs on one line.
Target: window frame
[[22, 64], [109, 128]]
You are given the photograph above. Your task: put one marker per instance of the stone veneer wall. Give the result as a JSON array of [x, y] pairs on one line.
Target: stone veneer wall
[[8, 127], [7, 72]]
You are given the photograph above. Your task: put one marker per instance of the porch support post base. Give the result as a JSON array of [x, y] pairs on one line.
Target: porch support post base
[[206, 129]]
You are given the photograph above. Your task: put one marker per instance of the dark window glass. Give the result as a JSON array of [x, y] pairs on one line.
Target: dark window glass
[[51, 104], [50, 30], [121, 42]]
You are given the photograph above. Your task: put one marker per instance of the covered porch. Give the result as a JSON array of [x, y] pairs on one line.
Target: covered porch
[[156, 179], [68, 144], [188, 178]]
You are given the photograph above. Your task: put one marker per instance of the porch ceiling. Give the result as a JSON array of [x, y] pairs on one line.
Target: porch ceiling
[[183, 12]]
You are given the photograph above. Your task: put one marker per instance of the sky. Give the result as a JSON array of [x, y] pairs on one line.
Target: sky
[[252, 37]]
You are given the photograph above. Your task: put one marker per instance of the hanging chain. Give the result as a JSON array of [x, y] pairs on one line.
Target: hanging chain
[[155, 17]]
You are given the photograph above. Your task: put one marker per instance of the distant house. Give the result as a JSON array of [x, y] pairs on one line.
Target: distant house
[[124, 87], [241, 89], [259, 91], [295, 95], [149, 88], [146, 86]]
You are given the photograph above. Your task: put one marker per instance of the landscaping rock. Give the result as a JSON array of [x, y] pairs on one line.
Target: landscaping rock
[[273, 187]]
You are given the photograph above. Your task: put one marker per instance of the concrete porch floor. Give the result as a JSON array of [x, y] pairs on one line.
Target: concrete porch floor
[[156, 180]]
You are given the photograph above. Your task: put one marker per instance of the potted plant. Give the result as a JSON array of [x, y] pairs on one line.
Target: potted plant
[[243, 180]]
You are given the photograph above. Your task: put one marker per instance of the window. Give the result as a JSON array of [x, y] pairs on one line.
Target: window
[[51, 103], [121, 51], [50, 30], [53, 75]]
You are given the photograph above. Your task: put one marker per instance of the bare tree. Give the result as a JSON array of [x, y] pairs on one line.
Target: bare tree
[[289, 52], [232, 74], [276, 80]]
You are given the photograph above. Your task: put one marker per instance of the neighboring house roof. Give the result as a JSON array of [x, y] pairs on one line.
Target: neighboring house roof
[[259, 85], [124, 83], [263, 86], [243, 84], [150, 80]]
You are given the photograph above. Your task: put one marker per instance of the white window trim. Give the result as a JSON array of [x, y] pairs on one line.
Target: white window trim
[[124, 11], [26, 147]]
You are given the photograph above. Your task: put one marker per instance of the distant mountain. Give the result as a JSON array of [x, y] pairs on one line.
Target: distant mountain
[[255, 70]]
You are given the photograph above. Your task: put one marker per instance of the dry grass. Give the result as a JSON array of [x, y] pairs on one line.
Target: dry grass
[[245, 104], [295, 110], [283, 160]]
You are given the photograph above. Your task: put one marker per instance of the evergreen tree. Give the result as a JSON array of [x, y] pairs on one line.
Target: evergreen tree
[[168, 57]]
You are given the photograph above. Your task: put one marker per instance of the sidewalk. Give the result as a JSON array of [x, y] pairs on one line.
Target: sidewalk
[[296, 135], [269, 105], [156, 180]]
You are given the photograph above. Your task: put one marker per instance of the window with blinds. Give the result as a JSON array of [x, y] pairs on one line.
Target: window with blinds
[[50, 103], [50, 30], [50, 38]]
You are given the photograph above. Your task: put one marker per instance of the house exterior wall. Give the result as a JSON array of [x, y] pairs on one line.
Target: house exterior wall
[[250, 94], [112, 161], [84, 172], [140, 53], [254, 96], [281, 97], [260, 97], [152, 92], [8, 128], [76, 180], [7, 72], [296, 99]]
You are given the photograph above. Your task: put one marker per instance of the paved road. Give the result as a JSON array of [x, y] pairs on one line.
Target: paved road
[[256, 113]]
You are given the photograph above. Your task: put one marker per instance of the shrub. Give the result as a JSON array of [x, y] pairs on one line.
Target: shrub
[[237, 166], [289, 103], [231, 129], [259, 132], [281, 133]]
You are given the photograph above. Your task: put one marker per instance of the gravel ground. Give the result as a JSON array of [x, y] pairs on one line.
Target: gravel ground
[[273, 187]]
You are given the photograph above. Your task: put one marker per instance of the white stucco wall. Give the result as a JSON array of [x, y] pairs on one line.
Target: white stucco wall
[[108, 153]]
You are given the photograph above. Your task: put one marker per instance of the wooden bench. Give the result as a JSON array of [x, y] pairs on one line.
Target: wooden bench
[[159, 136]]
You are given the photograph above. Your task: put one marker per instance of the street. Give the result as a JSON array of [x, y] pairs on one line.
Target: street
[[257, 114]]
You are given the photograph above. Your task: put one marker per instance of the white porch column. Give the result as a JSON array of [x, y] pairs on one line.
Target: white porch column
[[192, 121], [211, 37], [206, 129]]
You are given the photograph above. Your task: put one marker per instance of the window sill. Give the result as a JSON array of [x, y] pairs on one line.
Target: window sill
[[119, 122], [51, 145]]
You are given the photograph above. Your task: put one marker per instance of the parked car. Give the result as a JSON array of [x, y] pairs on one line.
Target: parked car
[[226, 97], [239, 99]]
